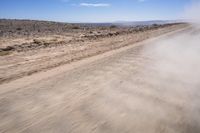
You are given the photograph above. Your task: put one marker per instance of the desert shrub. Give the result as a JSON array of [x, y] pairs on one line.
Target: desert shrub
[[8, 48], [155, 25], [6, 51], [75, 27], [110, 34], [38, 41], [44, 41], [3, 53], [19, 29], [113, 26], [140, 29], [117, 33]]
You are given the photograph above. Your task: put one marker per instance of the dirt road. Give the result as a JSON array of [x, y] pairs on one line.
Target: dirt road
[[145, 88]]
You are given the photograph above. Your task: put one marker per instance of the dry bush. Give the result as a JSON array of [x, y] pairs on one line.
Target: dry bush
[[3, 53], [113, 26], [44, 41], [75, 27], [38, 41], [19, 28]]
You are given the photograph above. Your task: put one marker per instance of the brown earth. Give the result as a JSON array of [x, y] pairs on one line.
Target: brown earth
[[148, 87], [27, 47]]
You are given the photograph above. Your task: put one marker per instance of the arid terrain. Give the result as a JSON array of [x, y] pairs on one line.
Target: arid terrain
[[27, 47], [76, 78]]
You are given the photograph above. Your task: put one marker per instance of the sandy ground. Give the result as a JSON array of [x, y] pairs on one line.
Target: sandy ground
[[124, 91], [57, 50]]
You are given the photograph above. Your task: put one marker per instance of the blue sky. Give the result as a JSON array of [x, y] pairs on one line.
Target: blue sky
[[93, 10]]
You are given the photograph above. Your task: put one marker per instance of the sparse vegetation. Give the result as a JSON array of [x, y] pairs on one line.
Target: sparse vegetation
[[37, 41], [57, 43], [75, 27], [155, 25], [41, 34], [44, 41], [3, 53], [19, 28], [113, 26]]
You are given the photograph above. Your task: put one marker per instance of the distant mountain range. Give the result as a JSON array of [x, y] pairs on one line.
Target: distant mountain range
[[134, 23], [117, 23]]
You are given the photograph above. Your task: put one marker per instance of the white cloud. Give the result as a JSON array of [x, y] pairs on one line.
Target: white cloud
[[95, 4]]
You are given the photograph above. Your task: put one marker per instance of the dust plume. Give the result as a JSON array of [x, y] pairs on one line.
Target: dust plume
[[192, 12], [178, 56], [176, 60]]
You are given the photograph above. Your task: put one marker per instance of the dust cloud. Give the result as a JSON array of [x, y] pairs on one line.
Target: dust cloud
[[191, 13], [176, 60], [178, 57]]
